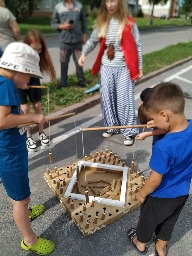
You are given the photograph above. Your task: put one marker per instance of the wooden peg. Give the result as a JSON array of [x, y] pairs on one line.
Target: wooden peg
[[54, 181], [101, 152], [58, 184], [110, 153], [96, 154], [87, 224], [57, 172], [68, 176], [85, 157], [69, 199], [48, 170], [132, 167], [70, 168], [84, 208], [109, 159], [50, 176], [142, 179], [61, 190], [103, 161], [78, 173], [86, 196], [130, 192], [55, 168], [91, 155], [72, 204], [103, 216], [93, 203], [137, 174], [95, 220], [81, 217], [64, 182], [123, 164], [50, 157]]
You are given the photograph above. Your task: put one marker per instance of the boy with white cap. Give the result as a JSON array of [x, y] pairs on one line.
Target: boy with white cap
[[18, 63]]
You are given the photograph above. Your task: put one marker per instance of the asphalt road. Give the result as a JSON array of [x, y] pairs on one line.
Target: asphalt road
[[67, 148], [152, 40]]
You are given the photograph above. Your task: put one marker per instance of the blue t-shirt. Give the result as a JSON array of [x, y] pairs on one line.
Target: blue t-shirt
[[172, 158], [11, 139]]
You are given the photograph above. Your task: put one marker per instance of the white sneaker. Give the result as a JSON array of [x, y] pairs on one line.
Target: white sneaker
[[44, 139], [31, 145], [128, 140], [107, 134]]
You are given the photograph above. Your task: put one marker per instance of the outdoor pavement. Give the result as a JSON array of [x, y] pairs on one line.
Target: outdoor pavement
[[55, 224]]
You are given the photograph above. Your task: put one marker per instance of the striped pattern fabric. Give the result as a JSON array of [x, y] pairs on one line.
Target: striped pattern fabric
[[117, 99], [112, 37]]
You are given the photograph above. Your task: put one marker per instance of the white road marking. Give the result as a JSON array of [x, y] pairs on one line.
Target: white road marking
[[99, 117], [184, 80]]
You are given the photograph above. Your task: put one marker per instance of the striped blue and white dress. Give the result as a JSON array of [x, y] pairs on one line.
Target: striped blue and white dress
[[117, 88]]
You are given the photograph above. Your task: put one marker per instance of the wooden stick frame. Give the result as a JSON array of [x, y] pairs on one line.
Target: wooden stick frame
[[113, 127], [38, 86], [48, 119]]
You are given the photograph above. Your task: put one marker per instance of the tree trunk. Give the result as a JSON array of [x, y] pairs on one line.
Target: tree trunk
[[150, 22]]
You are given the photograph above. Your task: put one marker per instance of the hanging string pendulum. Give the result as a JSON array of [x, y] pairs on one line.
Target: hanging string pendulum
[[82, 139], [83, 149], [48, 108], [74, 121]]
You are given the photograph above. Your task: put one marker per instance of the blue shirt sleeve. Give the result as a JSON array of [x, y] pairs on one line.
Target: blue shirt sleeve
[[160, 160], [8, 94]]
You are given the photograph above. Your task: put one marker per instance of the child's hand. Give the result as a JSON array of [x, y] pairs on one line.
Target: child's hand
[[151, 124], [39, 119], [140, 198], [81, 60], [141, 136]]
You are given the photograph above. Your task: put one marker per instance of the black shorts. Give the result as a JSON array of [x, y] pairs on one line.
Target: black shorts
[[159, 215], [33, 94]]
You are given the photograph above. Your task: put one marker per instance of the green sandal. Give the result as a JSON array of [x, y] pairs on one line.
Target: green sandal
[[36, 210], [41, 247]]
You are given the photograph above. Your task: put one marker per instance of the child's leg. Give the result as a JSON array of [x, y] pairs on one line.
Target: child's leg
[[38, 110], [164, 230], [26, 109], [21, 217], [161, 246]]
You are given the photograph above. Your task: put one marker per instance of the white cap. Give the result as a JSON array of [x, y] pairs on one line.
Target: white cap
[[22, 58]]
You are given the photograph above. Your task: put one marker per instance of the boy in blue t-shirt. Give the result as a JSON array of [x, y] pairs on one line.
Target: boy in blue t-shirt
[[18, 64], [166, 190]]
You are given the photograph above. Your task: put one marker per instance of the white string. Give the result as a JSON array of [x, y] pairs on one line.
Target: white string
[[48, 100], [82, 143], [74, 120]]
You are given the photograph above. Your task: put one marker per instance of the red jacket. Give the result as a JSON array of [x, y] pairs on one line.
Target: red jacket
[[129, 49]]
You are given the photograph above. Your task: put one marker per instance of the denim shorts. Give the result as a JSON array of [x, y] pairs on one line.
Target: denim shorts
[[14, 174]]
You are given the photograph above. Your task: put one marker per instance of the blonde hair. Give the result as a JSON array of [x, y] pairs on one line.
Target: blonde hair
[[104, 18]]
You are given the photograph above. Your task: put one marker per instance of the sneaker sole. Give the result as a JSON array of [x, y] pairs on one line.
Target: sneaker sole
[[32, 150]]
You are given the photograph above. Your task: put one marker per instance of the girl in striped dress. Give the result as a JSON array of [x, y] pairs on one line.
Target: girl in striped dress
[[119, 61]]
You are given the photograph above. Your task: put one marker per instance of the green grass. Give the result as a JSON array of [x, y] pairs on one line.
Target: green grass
[[151, 62], [143, 22], [43, 23], [160, 59]]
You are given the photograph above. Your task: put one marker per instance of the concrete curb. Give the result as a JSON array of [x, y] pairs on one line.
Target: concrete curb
[[94, 100]]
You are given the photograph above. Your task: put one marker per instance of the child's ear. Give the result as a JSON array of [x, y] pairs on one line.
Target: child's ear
[[164, 115]]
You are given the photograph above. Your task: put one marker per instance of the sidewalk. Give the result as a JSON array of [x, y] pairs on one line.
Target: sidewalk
[[94, 100]]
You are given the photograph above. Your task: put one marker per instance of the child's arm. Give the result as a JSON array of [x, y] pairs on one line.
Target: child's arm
[[151, 184], [9, 120], [144, 135]]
